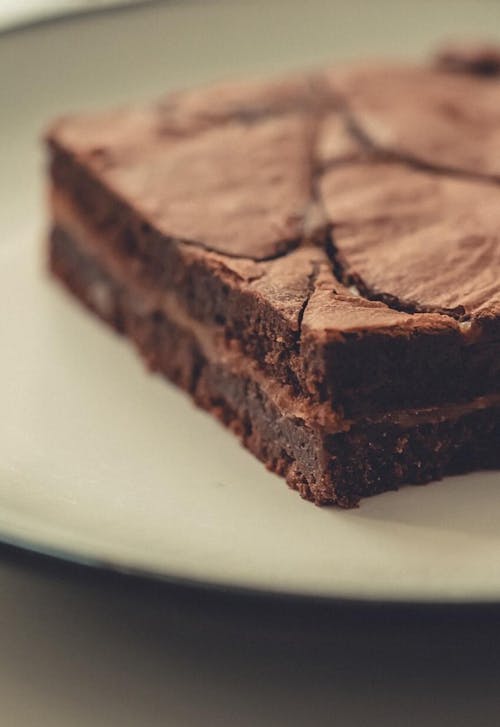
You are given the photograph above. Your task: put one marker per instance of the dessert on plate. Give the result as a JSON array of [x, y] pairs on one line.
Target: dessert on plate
[[315, 259]]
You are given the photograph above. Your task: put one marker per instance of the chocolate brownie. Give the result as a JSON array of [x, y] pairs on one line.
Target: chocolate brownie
[[315, 259]]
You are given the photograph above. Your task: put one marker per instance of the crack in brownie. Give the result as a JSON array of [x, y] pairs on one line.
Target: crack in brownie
[[315, 259]]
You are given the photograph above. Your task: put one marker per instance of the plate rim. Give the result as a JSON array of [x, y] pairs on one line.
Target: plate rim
[[347, 608], [60, 16], [351, 611]]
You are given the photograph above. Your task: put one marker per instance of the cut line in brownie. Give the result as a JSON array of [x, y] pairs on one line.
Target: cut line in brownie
[[411, 224]]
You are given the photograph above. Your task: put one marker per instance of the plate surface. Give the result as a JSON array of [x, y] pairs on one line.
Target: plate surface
[[105, 463]]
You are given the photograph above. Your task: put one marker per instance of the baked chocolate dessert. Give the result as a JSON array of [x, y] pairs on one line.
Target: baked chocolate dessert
[[315, 259]]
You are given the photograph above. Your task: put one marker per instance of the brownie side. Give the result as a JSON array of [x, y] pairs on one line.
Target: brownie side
[[336, 468], [285, 445], [256, 305]]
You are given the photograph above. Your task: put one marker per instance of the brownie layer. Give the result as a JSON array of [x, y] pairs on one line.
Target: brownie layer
[[342, 467], [291, 313]]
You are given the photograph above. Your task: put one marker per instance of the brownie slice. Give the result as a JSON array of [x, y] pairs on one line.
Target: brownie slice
[[315, 259]]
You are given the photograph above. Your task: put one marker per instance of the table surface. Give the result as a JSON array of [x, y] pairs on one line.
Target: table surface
[[79, 651], [76, 651]]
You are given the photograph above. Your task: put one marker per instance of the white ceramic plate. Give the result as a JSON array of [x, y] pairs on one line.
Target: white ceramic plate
[[100, 461]]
